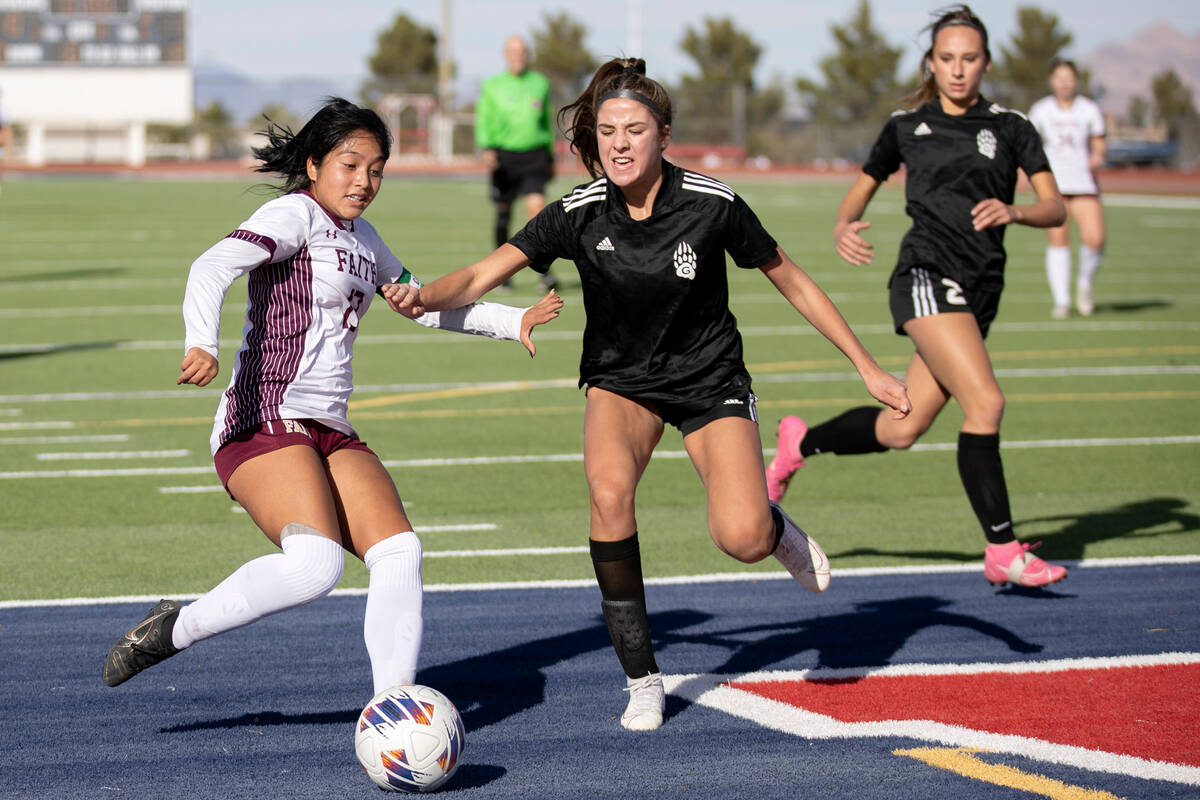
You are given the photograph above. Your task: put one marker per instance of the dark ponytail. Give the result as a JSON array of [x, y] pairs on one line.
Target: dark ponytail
[[628, 75], [287, 153], [954, 15]]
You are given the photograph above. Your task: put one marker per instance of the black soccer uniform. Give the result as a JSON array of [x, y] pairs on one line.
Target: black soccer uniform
[[655, 292], [953, 162]]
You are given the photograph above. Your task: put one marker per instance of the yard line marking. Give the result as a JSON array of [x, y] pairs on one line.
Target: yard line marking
[[1048, 326], [11, 412], [515, 551], [750, 576], [1150, 201], [465, 527], [552, 458], [962, 761], [190, 489], [96, 439], [112, 455], [36, 426]]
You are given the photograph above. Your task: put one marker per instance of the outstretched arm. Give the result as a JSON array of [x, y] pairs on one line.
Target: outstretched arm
[[808, 298], [846, 227], [458, 288]]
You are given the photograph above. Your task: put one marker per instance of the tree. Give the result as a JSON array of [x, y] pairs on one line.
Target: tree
[[560, 55], [405, 61], [216, 124], [860, 86], [1020, 73], [720, 103], [1173, 102]]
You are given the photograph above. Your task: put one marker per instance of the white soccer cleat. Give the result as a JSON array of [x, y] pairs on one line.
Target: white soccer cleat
[[1060, 312], [802, 556], [647, 702], [1083, 301]]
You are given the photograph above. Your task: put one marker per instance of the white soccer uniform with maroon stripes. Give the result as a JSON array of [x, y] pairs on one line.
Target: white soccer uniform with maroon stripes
[[1066, 135], [312, 277]]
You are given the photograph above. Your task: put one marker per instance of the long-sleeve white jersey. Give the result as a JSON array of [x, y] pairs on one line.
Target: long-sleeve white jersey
[[312, 277]]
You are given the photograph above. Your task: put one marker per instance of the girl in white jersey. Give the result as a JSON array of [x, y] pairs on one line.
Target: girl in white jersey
[[1072, 129], [282, 445]]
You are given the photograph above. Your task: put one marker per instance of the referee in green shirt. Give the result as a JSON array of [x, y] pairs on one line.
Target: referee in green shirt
[[514, 130]]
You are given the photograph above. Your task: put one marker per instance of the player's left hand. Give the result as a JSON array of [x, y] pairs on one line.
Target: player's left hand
[[889, 390], [992, 213], [403, 298], [539, 313]]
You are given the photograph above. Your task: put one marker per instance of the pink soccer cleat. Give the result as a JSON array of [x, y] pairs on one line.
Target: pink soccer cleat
[[1013, 562], [787, 456]]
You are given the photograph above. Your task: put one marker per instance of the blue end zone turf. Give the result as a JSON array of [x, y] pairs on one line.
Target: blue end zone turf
[[269, 710]]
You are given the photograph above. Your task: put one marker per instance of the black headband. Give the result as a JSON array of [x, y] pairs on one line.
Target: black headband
[[631, 94]]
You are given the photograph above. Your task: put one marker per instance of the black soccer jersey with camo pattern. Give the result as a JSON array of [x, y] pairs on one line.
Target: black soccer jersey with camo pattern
[[952, 163], [654, 290]]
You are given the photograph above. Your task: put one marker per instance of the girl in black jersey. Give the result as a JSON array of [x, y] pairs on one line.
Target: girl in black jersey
[[962, 155], [661, 346]]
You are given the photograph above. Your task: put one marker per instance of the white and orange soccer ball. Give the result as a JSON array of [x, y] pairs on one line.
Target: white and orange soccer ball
[[409, 738]]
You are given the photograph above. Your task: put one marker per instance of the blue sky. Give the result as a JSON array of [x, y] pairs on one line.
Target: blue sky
[[287, 38]]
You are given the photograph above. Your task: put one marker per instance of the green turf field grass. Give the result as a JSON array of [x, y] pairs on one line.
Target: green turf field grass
[[92, 274]]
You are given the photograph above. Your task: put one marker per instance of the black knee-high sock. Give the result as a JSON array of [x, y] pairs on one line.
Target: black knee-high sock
[[503, 214], [618, 568], [849, 433], [982, 475]]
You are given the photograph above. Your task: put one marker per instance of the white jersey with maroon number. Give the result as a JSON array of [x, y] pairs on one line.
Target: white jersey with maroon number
[[311, 279], [1066, 135]]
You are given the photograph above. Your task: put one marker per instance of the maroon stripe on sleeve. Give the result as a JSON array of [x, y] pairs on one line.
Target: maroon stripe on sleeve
[[265, 242], [280, 313]]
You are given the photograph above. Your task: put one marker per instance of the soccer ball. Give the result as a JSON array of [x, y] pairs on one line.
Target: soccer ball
[[409, 738]]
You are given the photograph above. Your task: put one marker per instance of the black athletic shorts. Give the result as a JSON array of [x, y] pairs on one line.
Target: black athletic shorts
[[921, 293], [690, 415], [520, 172]]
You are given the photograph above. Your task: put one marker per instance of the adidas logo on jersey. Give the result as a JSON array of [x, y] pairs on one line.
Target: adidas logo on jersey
[[606, 244], [923, 130], [685, 261]]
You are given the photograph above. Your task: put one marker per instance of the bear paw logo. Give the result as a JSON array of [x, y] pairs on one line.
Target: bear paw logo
[[685, 261], [986, 142]]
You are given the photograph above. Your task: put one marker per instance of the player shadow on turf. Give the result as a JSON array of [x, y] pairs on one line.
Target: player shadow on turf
[[483, 698], [1136, 519], [1126, 306], [37, 351], [869, 636]]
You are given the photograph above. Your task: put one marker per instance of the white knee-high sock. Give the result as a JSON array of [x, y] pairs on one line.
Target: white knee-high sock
[[309, 567], [1058, 272], [393, 625], [1089, 264]]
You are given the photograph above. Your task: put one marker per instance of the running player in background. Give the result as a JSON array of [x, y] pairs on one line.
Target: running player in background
[[945, 289], [661, 347], [282, 445], [514, 130], [1072, 128]]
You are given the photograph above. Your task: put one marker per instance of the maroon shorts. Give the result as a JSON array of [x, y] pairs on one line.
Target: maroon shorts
[[279, 433]]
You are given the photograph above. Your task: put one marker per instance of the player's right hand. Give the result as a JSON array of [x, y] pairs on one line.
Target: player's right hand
[[850, 246], [199, 367]]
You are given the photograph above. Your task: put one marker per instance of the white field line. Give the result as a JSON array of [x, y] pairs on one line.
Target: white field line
[[471, 461], [191, 489], [584, 583], [715, 692], [1150, 201], [11, 412], [1048, 326], [112, 455], [97, 439], [566, 383]]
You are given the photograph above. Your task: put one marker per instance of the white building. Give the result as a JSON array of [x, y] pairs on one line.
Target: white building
[[83, 78]]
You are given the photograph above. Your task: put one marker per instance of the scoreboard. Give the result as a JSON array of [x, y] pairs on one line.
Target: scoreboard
[[81, 33]]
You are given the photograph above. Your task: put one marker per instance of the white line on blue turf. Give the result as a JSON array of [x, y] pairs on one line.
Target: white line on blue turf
[[583, 583], [551, 458]]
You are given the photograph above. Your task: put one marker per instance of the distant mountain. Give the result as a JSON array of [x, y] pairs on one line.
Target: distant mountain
[[1123, 70], [244, 97]]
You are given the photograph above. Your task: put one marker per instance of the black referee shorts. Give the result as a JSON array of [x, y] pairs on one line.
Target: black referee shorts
[[520, 172], [922, 293]]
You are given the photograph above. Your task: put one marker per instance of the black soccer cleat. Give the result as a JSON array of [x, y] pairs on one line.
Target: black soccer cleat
[[148, 643]]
